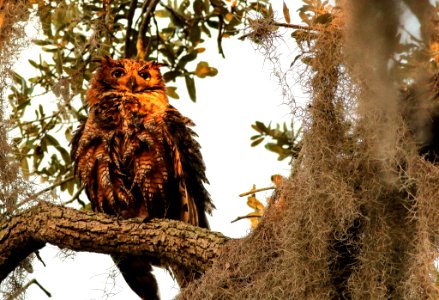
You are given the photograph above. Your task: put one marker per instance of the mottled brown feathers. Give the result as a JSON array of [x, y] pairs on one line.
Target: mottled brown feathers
[[137, 157]]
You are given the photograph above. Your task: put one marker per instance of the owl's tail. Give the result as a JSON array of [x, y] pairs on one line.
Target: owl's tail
[[137, 271]]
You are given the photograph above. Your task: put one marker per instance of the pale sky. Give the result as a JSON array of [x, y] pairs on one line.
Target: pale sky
[[243, 91]]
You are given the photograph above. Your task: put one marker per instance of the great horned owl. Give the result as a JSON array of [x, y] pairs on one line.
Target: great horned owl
[[137, 157]]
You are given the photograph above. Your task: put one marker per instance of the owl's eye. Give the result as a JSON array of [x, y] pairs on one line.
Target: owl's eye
[[145, 75], [118, 73]]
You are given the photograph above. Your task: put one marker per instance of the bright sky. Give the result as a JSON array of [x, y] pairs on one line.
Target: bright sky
[[243, 91]]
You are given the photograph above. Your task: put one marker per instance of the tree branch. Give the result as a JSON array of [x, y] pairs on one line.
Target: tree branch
[[130, 16], [172, 241], [147, 11], [45, 190], [25, 287]]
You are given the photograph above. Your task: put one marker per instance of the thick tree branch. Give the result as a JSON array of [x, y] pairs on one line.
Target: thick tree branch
[[171, 241]]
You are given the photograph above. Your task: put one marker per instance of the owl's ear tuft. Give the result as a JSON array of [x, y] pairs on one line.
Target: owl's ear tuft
[[107, 60]]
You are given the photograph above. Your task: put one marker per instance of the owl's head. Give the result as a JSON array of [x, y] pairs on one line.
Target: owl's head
[[127, 75]]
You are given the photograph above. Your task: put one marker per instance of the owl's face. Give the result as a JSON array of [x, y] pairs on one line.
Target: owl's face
[[141, 79], [126, 75]]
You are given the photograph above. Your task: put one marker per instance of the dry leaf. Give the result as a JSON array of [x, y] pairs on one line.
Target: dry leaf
[[286, 12]]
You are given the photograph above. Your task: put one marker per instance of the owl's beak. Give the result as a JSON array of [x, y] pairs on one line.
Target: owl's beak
[[132, 83]]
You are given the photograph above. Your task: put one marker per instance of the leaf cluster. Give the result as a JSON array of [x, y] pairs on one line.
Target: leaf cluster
[[283, 140]]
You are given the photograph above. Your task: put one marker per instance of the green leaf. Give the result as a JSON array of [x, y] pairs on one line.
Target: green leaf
[[203, 69], [256, 142], [51, 140], [183, 6], [68, 133], [65, 155], [254, 137], [205, 30], [270, 12], [274, 148], [213, 71], [69, 186], [195, 34], [213, 24], [23, 104], [260, 127], [198, 7], [190, 84], [171, 92], [171, 75], [187, 58], [17, 78]]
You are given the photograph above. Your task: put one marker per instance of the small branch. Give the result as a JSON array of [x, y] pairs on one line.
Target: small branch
[[76, 195], [220, 36], [53, 186], [244, 217], [26, 286], [254, 191], [37, 254], [130, 16], [293, 26], [173, 241], [34, 281], [45, 190], [147, 10]]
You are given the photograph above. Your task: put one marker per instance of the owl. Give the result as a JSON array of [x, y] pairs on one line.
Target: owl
[[137, 156]]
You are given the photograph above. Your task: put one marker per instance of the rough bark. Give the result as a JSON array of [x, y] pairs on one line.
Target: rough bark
[[172, 241]]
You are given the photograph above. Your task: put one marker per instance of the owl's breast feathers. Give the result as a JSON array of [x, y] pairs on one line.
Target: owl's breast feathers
[[137, 157]]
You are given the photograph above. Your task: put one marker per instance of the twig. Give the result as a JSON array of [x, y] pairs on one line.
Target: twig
[[37, 254], [220, 36], [147, 9], [49, 188], [253, 191], [76, 195], [130, 16], [25, 287], [293, 26], [53, 186], [244, 217]]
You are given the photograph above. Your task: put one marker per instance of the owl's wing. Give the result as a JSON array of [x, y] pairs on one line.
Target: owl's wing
[[188, 165], [96, 169]]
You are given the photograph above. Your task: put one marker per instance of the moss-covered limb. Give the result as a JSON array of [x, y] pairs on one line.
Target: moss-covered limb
[[172, 241]]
